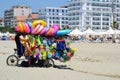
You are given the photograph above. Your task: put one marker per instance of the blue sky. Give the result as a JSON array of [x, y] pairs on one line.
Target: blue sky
[[34, 4]]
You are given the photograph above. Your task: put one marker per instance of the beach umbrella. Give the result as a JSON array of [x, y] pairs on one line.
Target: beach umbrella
[[90, 32], [110, 31], [1, 34], [102, 33], [75, 32], [117, 31]]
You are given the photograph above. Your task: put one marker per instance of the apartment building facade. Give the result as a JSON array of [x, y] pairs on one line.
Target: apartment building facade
[[11, 15], [54, 15], [96, 14], [32, 17]]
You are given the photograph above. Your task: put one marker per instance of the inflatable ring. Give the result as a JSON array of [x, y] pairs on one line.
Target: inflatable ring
[[17, 29], [26, 28], [41, 22], [55, 29], [36, 28], [39, 30], [49, 32], [29, 25], [21, 27], [43, 31], [47, 29]]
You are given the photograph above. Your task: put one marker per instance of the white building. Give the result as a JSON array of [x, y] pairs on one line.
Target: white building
[[53, 15], [15, 11], [94, 13]]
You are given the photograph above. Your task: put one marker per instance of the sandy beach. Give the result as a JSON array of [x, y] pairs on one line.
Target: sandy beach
[[92, 61]]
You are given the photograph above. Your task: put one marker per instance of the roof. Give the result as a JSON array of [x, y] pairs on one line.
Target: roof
[[34, 16], [20, 18]]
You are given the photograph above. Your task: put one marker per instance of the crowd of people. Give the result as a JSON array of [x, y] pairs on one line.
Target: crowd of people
[[96, 38]]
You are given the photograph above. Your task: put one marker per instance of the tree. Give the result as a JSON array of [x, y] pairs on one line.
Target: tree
[[87, 27], [115, 25], [7, 29]]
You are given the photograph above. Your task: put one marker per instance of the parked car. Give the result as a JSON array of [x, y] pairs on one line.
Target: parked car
[[5, 38]]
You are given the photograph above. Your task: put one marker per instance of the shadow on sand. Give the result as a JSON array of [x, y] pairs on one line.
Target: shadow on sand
[[25, 64], [62, 67]]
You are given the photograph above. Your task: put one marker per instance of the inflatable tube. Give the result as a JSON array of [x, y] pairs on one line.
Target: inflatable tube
[[21, 27], [17, 29], [36, 28], [26, 28], [43, 31], [63, 32], [29, 25], [39, 30], [47, 29], [35, 23], [49, 32], [55, 29]]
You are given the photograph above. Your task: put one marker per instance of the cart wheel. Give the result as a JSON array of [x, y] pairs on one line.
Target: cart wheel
[[51, 63], [48, 63], [12, 60]]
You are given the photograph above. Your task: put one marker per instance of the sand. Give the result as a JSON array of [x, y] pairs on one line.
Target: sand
[[92, 61]]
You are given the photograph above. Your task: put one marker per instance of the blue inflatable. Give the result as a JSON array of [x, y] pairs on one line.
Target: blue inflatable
[[63, 32]]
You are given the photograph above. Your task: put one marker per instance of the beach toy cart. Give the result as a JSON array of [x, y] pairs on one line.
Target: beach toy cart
[[49, 41], [13, 60]]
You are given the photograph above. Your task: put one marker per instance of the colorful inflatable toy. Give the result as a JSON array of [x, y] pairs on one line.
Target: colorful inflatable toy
[[41, 40], [63, 32], [41, 22]]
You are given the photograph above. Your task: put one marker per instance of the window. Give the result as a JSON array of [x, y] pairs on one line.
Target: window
[[53, 10], [88, 4], [49, 10], [105, 19], [105, 23], [57, 10]]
